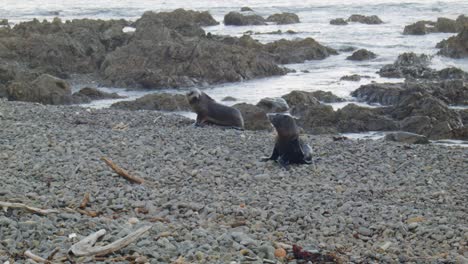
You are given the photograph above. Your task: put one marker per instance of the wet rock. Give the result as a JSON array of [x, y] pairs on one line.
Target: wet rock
[[284, 18], [255, 118], [406, 137], [408, 65], [46, 89], [88, 94], [298, 51], [316, 118], [326, 97], [444, 25], [338, 21], [361, 55], [246, 9], [229, 98], [353, 118], [371, 20], [456, 46], [296, 98], [382, 93], [352, 78], [273, 105], [238, 19], [157, 101]]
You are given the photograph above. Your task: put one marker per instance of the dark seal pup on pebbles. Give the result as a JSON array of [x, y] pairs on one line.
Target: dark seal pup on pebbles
[[211, 112], [289, 147]]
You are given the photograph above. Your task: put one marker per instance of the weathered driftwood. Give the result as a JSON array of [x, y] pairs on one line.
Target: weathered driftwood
[[7, 205], [122, 172], [35, 257], [85, 201], [85, 247]]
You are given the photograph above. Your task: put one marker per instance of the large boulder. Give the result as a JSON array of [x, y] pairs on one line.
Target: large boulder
[[338, 21], [353, 118], [273, 105], [298, 51], [185, 22], [255, 118], [371, 20], [406, 137], [299, 98], [426, 115], [361, 55], [284, 18], [326, 97], [456, 46], [238, 19], [157, 101], [381, 93], [408, 64], [46, 89], [444, 25], [316, 118], [88, 94]]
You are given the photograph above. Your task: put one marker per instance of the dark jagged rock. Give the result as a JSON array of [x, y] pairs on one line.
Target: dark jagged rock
[[406, 137], [298, 51], [284, 18], [338, 21], [46, 89], [361, 55], [296, 98], [255, 118], [157, 101], [353, 118], [326, 97], [238, 19], [456, 46], [353, 78], [316, 118], [371, 20], [449, 91], [408, 65], [246, 9], [273, 105], [442, 24], [88, 94]]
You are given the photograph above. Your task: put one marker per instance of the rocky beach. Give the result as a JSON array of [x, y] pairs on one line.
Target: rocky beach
[[95, 138], [209, 199]]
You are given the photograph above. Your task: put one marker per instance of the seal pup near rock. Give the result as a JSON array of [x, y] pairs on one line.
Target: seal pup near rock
[[211, 112], [289, 147]]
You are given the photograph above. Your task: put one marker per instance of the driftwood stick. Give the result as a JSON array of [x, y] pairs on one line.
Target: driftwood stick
[[35, 257], [85, 247], [6, 205], [122, 172], [85, 201]]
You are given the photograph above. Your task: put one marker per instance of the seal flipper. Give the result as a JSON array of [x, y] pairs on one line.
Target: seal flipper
[[284, 163], [274, 155]]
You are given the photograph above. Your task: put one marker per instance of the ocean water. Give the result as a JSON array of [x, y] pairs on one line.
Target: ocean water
[[386, 40]]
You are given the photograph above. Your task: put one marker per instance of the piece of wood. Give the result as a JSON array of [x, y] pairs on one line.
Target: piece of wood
[[7, 205], [85, 247], [85, 201], [35, 257], [88, 213], [122, 172]]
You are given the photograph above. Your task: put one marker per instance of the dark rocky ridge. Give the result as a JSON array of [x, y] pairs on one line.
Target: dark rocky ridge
[[442, 24], [456, 46]]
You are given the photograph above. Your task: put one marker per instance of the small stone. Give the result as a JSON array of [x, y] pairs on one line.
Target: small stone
[[280, 253]]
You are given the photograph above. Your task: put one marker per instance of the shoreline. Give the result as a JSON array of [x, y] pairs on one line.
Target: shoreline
[[359, 196]]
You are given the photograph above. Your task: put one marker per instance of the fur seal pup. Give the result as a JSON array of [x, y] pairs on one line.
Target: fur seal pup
[[289, 147], [211, 112]]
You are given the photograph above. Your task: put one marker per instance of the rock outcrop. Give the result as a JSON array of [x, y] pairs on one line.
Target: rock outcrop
[[338, 21], [88, 94], [361, 55], [442, 24], [298, 51], [371, 20], [273, 105], [46, 89], [255, 118], [456, 46], [406, 137], [237, 19], [157, 101], [284, 18]]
